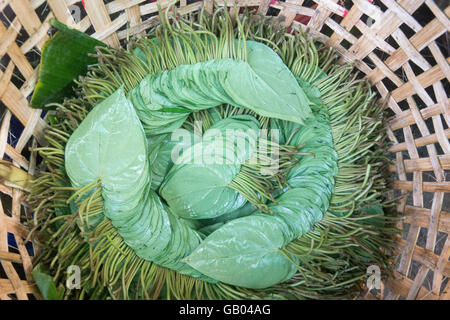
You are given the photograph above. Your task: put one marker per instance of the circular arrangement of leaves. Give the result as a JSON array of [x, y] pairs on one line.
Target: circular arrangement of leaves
[[291, 215]]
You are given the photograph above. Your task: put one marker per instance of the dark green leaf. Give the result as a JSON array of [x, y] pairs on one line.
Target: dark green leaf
[[64, 58]]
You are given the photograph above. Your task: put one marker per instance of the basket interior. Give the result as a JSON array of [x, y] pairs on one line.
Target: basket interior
[[400, 46]]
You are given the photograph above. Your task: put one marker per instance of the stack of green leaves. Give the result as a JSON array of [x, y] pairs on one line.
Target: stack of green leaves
[[111, 146]]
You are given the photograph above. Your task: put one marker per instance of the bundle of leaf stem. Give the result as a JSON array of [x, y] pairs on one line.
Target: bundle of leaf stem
[[334, 256]]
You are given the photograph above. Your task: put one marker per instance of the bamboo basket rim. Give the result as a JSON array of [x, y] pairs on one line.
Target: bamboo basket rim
[[397, 50]]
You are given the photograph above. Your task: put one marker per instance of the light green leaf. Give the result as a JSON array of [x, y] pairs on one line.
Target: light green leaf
[[262, 84], [110, 145], [161, 154], [268, 87], [244, 252], [197, 185]]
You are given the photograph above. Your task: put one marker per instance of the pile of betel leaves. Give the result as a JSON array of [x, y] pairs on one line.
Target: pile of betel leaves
[[214, 157]]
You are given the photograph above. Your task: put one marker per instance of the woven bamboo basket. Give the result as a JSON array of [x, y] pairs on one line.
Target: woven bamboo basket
[[401, 47]]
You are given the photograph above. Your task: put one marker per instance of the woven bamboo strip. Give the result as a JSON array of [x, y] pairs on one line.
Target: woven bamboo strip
[[419, 142], [420, 40], [101, 21], [28, 18], [425, 257], [421, 217], [423, 164], [405, 118], [8, 256], [61, 12], [402, 286]]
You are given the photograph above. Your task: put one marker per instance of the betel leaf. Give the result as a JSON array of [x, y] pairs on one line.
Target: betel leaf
[[262, 84], [159, 121], [244, 252], [148, 229], [110, 145], [312, 92], [243, 211], [271, 85], [197, 185], [201, 191], [64, 57], [300, 208], [163, 150], [207, 226], [160, 157], [46, 285]]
